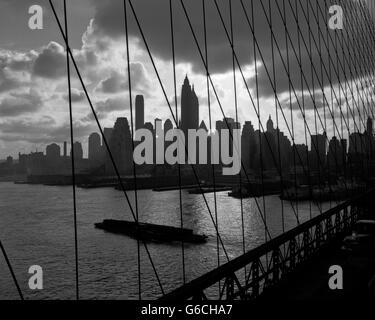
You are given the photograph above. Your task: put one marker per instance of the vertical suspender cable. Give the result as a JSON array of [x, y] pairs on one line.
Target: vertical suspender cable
[[72, 153], [176, 110], [132, 137], [211, 128], [279, 162], [237, 123]]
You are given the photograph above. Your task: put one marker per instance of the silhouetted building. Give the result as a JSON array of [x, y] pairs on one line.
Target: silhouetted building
[[357, 143], [120, 145], [149, 126], [78, 151], [189, 108], [168, 125], [9, 161], [65, 149], [248, 146], [95, 148], [53, 153], [334, 156], [318, 151], [139, 112]]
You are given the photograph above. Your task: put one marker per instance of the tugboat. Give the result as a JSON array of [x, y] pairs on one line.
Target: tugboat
[[151, 232]]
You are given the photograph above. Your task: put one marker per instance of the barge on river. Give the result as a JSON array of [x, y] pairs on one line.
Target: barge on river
[[151, 232]]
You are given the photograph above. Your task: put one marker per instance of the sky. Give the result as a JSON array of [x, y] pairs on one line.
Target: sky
[[34, 108]]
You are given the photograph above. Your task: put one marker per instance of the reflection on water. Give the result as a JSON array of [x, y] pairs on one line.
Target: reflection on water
[[36, 228]]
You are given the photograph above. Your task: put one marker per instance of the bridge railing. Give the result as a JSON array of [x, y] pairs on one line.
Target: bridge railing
[[269, 263]]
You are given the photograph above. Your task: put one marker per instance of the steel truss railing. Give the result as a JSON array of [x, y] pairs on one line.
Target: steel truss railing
[[301, 244]]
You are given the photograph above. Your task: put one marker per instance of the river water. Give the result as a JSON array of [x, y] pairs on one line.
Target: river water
[[36, 228]]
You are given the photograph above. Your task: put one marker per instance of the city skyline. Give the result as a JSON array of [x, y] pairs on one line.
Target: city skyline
[[255, 144], [191, 122], [190, 151], [33, 91]]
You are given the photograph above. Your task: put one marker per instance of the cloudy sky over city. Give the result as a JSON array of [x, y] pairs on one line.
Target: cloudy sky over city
[[33, 76]]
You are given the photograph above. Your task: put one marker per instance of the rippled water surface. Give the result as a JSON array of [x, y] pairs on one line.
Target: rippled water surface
[[36, 228]]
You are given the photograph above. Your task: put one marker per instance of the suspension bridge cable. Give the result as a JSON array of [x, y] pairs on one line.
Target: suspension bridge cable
[[324, 161], [325, 69], [123, 189], [218, 100], [133, 146], [270, 79], [362, 75], [352, 92], [174, 119], [354, 78], [259, 123], [11, 271], [351, 88], [309, 51], [211, 129], [328, 158], [72, 155], [366, 48], [248, 90], [314, 144], [237, 123], [292, 118], [246, 85], [300, 64], [339, 81], [277, 118], [176, 110], [370, 63]]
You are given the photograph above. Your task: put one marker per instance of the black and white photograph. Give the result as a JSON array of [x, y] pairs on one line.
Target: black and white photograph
[[193, 156]]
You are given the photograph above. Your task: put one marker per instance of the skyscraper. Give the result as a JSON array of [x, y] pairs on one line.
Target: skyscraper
[[78, 151], [334, 156], [139, 112], [94, 147], [120, 144], [318, 151], [53, 152], [189, 108], [248, 146]]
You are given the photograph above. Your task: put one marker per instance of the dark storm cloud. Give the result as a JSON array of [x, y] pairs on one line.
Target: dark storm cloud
[[154, 18], [51, 62], [42, 130], [17, 104], [305, 103]]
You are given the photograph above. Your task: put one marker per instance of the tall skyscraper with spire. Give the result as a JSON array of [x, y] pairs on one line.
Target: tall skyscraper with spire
[[189, 108]]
